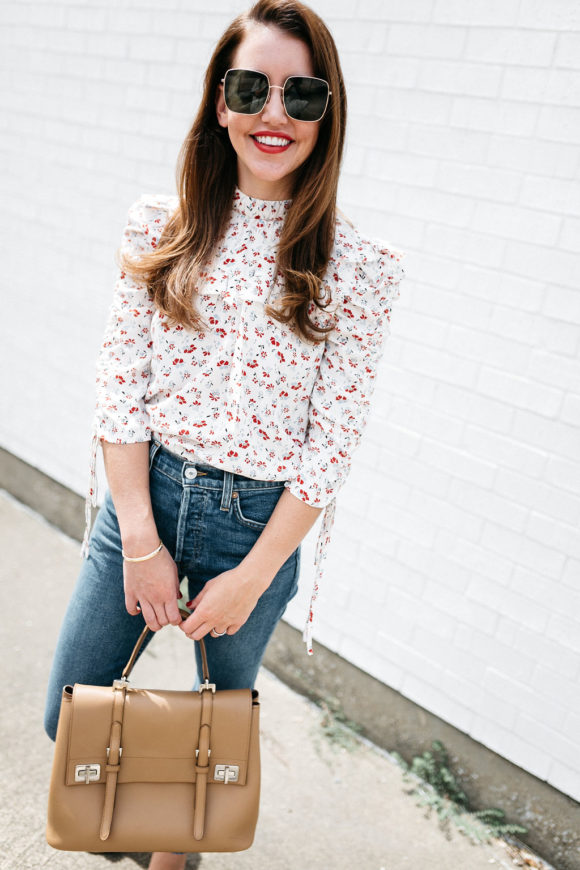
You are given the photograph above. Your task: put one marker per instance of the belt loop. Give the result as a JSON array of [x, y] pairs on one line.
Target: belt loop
[[153, 450], [227, 491]]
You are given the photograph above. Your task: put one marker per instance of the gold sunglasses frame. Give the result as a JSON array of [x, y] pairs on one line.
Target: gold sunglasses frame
[[280, 88]]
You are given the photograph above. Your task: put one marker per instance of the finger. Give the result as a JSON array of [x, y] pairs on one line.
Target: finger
[[161, 614], [189, 624], [172, 612], [149, 616], [200, 631]]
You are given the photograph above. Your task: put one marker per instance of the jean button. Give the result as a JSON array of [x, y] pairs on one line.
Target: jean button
[[190, 473]]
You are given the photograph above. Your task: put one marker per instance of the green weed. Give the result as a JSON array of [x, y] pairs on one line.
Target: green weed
[[438, 789]]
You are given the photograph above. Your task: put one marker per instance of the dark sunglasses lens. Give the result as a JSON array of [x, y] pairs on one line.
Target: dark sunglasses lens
[[245, 91], [305, 98]]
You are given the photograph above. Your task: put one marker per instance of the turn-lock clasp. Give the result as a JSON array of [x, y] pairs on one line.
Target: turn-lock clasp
[[87, 773], [226, 773]]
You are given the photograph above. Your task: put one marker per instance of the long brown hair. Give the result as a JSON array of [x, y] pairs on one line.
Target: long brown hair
[[207, 177]]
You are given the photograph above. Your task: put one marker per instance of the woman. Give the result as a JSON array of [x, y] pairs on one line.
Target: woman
[[236, 371]]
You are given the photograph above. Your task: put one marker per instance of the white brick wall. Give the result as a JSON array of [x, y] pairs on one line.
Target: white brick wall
[[454, 571]]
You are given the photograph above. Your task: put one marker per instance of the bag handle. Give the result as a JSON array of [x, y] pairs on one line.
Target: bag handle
[[114, 748], [129, 666]]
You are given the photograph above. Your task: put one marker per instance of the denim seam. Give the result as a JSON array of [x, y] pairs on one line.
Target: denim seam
[[182, 523], [168, 475], [153, 451], [245, 521]]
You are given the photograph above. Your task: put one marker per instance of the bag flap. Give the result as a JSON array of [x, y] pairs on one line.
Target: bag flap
[[160, 733]]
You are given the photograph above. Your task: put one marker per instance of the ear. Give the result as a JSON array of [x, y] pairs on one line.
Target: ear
[[220, 107]]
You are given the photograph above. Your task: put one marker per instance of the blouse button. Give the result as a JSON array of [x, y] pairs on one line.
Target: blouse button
[[190, 473]]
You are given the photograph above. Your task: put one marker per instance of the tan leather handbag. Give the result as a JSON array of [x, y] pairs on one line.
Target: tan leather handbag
[[137, 770]]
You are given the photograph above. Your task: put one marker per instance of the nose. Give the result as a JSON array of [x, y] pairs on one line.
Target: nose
[[274, 108]]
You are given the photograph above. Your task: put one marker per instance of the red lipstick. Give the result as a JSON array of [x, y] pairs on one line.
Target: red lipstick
[[272, 149]]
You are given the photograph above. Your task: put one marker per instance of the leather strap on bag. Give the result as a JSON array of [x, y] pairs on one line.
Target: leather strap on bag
[[129, 666], [114, 750], [202, 766]]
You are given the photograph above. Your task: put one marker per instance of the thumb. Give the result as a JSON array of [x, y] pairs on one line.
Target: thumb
[[131, 604]]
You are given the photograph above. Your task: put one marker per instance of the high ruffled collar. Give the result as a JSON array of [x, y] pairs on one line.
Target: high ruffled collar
[[265, 209]]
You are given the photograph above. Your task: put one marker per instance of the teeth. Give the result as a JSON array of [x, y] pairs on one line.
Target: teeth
[[271, 140]]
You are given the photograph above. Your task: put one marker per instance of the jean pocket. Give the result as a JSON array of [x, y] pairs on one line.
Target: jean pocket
[[253, 508]]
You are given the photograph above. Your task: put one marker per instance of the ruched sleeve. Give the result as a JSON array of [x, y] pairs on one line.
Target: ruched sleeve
[[124, 359], [364, 280]]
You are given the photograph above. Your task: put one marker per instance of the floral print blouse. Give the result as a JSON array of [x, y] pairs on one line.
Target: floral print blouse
[[247, 394]]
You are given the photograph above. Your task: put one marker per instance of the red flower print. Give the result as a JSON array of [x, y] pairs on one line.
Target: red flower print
[[255, 399]]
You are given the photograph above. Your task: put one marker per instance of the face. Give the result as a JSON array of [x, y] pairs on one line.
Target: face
[[265, 172]]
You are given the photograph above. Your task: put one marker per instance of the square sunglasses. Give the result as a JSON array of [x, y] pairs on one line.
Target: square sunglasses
[[246, 92]]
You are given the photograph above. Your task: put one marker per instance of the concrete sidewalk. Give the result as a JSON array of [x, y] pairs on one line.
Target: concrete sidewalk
[[322, 806]]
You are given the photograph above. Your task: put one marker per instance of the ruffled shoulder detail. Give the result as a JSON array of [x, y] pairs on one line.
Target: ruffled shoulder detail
[[363, 270], [146, 219], [164, 201]]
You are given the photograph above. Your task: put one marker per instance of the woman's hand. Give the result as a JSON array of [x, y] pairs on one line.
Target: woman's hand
[[225, 603], [151, 587], [154, 587]]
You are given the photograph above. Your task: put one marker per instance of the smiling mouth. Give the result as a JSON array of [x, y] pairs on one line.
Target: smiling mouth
[[272, 144]]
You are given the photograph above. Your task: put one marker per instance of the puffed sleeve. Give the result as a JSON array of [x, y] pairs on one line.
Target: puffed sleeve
[[124, 359], [340, 398], [365, 281]]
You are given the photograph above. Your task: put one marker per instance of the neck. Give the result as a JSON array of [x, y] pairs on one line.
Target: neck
[[267, 190]]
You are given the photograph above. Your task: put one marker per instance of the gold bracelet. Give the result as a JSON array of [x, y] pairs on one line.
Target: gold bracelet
[[142, 558]]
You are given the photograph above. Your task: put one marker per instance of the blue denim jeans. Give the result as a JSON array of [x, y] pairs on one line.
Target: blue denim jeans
[[208, 522]]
